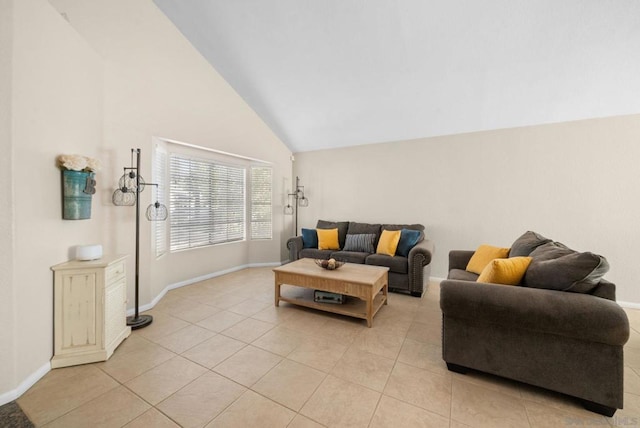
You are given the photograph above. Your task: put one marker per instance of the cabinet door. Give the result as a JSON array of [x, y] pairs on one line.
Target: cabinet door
[[115, 311], [79, 300]]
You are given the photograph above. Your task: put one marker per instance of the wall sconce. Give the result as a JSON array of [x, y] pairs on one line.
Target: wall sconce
[[299, 201]]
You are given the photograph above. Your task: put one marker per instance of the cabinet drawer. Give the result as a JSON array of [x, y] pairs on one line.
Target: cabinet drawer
[[114, 272]]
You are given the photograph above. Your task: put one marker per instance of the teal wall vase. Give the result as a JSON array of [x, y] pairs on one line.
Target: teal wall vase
[[77, 189]]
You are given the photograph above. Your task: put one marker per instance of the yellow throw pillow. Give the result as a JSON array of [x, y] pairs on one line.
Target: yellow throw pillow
[[483, 255], [388, 242], [505, 271], [328, 239]]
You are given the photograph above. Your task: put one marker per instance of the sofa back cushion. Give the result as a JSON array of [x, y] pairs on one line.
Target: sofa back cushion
[[342, 227], [557, 267], [525, 244]]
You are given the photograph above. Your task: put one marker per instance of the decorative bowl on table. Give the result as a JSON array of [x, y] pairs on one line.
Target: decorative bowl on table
[[331, 264]]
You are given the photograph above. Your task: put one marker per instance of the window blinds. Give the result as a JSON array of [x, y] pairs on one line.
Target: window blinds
[[261, 210], [206, 203]]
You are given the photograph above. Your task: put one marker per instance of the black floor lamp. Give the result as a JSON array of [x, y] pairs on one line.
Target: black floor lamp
[[128, 194], [299, 201]]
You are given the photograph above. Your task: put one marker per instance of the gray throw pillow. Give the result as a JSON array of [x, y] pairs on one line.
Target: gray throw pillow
[[525, 244], [361, 242], [557, 267]]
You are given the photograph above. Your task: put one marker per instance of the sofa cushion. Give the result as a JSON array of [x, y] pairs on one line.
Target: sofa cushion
[[362, 242], [525, 244], [309, 238], [328, 239], [462, 275], [505, 271], [418, 227], [557, 267], [356, 228], [395, 264], [483, 255], [350, 256], [388, 242], [314, 253], [408, 239], [342, 227]]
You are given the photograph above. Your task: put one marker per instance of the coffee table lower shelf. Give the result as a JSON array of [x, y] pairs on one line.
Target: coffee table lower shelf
[[352, 307]]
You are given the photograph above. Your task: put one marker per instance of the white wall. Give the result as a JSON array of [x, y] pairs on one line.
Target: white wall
[[111, 78], [575, 182], [7, 332]]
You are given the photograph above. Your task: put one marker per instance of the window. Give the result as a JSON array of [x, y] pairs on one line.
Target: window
[[159, 173], [206, 202], [261, 215]]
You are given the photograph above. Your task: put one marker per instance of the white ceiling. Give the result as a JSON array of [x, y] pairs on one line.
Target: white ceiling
[[334, 73]]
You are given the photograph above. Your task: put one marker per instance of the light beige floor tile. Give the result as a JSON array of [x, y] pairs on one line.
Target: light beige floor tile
[[112, 409], [248, 330], [247, 365], [630, 415], [280, 340], [542, 416], [253, 410], [220, 321], [392, 325], [481, 407], [165, 379], [496, 383], [395, 413], [320, 354], [634, 340], [274, 314], [364, 368], [340, 403], [429, 313], [228, 300], [379, 342], [301, 421], [341, 330], [62, 390], [421, 388], [631, 381], [290, 384], [124, 367], [163, 324], [213, 351], [198, 403], [152, 419], [249, 307], [632, 357], [186, 309], [304, 320], [131, 343], [185, 338], [426, 333], [423, 355], [551, 399]]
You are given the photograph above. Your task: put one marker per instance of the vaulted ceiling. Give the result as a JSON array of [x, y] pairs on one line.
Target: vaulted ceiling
[[335, 73]]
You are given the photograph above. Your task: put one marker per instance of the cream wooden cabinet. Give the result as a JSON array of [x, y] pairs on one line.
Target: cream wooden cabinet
[[90, 310]]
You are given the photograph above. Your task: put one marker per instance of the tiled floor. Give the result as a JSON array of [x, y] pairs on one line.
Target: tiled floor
[[219, 353]]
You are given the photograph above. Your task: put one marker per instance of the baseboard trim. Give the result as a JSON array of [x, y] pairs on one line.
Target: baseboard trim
[[9, 396], [629, 305], [201, 278]]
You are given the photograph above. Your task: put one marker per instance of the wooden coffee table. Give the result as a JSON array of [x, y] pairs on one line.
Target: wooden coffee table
[[369, 284]]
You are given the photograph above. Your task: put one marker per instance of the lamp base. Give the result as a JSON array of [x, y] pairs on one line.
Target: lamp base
[[140, 322]]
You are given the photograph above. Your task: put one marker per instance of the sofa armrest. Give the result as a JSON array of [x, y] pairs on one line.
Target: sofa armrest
[[419, 260], [421, 253], [459, 259], [295, 246], [575, 315]]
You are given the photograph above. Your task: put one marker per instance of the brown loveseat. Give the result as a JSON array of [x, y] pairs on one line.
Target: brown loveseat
[[407, 273], [566, 341]]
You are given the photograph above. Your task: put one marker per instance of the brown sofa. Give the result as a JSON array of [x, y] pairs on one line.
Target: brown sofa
[[408, 274], [565, 341]]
